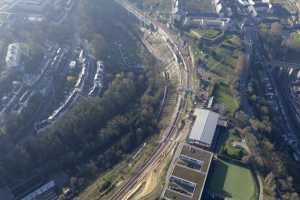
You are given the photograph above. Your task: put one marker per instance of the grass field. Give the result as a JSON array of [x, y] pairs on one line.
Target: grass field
[[205, 33], [232, 181], [227, 148], [221, 61], [294, 44], [224, 96], [233, 41], [295, 37]]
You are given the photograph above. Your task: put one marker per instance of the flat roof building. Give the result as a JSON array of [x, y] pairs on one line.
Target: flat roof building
[[13, 55], [204, 128], [187, 174], [207, 22], [40, 191]]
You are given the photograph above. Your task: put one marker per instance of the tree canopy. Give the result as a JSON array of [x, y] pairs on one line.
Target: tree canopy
[[97, 130]]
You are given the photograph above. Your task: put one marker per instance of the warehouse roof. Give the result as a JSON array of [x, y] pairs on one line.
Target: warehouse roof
[[205, 125]]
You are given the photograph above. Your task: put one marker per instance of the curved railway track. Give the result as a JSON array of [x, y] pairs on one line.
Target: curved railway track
[[181, 106]]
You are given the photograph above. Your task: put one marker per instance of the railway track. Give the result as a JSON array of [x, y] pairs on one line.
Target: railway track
[[181, 106]]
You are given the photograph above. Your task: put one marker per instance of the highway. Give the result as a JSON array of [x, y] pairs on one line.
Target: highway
[[181, 105]]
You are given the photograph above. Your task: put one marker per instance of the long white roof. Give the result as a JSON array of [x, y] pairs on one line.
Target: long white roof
[[13, 55], [39, 191], [205, 126]]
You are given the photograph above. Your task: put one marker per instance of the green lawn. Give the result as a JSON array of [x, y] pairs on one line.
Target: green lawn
[[228, 149], [227, 57], [294, 44], [232, 41], [221, 61], [222, 52], [205, 33], [295, 37], [223, 95], [232, 181], [3, 18]]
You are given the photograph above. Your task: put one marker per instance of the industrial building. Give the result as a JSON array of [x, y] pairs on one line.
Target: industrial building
[[204, 128], [187, 175]]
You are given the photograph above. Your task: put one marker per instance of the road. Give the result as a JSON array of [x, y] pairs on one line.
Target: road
[[249, 36], [172, 130], [270, 86], [251, 39]]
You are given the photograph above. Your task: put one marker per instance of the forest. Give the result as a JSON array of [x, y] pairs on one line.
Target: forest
[[97, 132], [93, 136]]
